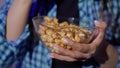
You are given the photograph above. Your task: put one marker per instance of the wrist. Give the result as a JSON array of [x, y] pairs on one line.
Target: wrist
[[101, 50]]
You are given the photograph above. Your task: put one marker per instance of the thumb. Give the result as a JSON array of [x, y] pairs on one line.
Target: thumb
[[100, 25]]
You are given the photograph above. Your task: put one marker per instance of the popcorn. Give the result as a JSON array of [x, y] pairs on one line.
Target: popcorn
[[52, 32]]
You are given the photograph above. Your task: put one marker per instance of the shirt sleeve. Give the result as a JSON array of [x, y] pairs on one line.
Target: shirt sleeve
[[11, 50]]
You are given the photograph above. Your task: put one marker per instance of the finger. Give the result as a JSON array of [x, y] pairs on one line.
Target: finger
[[100, 25], [77, 46], [61, 57], [69, 42], [72, 53], [94, 35], [99, 38], [82, 56], [63, 51], [101, 28]]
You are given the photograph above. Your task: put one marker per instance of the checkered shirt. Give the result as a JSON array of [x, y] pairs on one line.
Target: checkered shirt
[[11, 51]]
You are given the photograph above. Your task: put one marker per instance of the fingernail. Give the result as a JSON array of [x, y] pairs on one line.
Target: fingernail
[[56, 47], [51, 55], [65, 41], [96, 21]]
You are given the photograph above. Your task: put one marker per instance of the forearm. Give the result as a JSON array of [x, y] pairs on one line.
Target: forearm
[[17, 18]]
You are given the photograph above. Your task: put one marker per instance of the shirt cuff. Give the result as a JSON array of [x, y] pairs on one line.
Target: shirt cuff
[[21, 43]]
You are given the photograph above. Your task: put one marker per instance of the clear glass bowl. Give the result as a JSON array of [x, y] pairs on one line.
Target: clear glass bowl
[[51, 31]]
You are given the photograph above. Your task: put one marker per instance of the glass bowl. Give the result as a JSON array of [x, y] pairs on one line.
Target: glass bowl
[[51, 31]]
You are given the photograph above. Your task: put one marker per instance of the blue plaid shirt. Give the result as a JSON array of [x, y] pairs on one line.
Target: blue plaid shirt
[[11, 51]]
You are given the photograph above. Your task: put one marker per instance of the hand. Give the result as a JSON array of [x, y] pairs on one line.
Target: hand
[[81, 51]]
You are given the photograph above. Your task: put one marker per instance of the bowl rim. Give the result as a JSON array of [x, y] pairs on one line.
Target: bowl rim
[[69, 18]]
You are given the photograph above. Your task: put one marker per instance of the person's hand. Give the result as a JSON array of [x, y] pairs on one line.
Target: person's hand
[[81, 51]]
